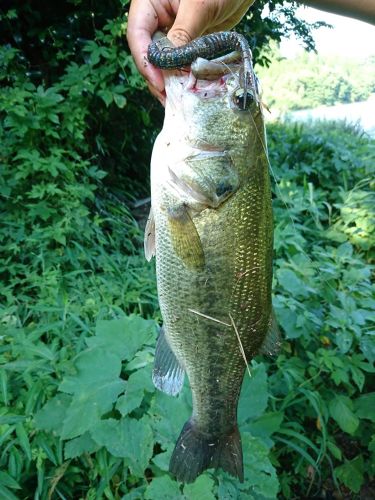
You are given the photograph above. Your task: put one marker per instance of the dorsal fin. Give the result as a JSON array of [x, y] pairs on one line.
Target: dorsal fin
[[272, 342]]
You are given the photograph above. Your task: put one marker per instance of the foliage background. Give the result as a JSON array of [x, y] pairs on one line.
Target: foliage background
[[79, 417], [311, 80]]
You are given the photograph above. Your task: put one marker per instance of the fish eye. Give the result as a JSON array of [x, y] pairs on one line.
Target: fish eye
[[239, 99]]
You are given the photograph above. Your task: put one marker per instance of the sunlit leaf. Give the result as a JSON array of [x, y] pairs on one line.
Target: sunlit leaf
[[340, 408]]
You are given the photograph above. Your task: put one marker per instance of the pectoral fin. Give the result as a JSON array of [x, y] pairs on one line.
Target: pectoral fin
[[183, 188], [149, 241], [185, 238], [272, 342], [204, 180]]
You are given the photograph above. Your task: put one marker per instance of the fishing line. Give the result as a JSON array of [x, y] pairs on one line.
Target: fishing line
[[264, 146]]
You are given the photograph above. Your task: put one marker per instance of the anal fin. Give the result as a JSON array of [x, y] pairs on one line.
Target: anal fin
[[168, 375]]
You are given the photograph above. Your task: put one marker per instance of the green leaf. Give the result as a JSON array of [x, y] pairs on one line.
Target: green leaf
[[299, 437], [294, 446], [119, 100], [80, 445], [340, 408], [201, 488], [228, 488], [23, 440], [163, 488], [265, 425], [105, 94], [335, 450], [127, 438], [4, 386], [92, 402], [367, 344], [287, 317], [345, 250], [124, 336], [358, 377], [136, 385], [161, 460], [292, 283], [7, 480], [135, 494], [10, 418], [351, 473], [344, 340], [93, 366], [54, 118], [6, 494], [169, 415], [254, 394], [365, 406], [51, 416], [260, 474]]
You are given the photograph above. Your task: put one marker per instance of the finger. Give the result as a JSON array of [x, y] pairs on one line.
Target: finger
[[143, 21], [191, 21], [228, 24], [160, 96]]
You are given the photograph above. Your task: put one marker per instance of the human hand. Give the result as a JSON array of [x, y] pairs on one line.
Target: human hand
[[187, 19]]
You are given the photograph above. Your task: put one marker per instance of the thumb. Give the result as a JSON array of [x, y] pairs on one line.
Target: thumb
[[191, 22]]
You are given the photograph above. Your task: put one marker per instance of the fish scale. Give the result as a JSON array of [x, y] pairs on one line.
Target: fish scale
[[213, 260]]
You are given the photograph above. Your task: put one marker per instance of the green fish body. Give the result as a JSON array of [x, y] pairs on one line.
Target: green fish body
[[211, 232]]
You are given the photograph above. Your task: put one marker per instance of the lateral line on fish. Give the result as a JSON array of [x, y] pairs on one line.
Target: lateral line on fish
[[283, 200], [208, 317], [240, 343]]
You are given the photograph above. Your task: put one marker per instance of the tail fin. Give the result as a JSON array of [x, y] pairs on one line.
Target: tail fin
[[195, 452]]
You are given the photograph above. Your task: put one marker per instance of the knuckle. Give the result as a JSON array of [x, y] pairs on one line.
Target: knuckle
[[179, 36]]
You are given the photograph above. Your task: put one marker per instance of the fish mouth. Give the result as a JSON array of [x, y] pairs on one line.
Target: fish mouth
[[208, 78], [213, 69], [206, 89]]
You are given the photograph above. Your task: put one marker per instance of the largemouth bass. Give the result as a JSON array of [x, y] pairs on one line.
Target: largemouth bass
[[210, 228]]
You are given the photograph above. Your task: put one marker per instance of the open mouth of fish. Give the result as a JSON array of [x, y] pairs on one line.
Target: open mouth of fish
[[208, 77]]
